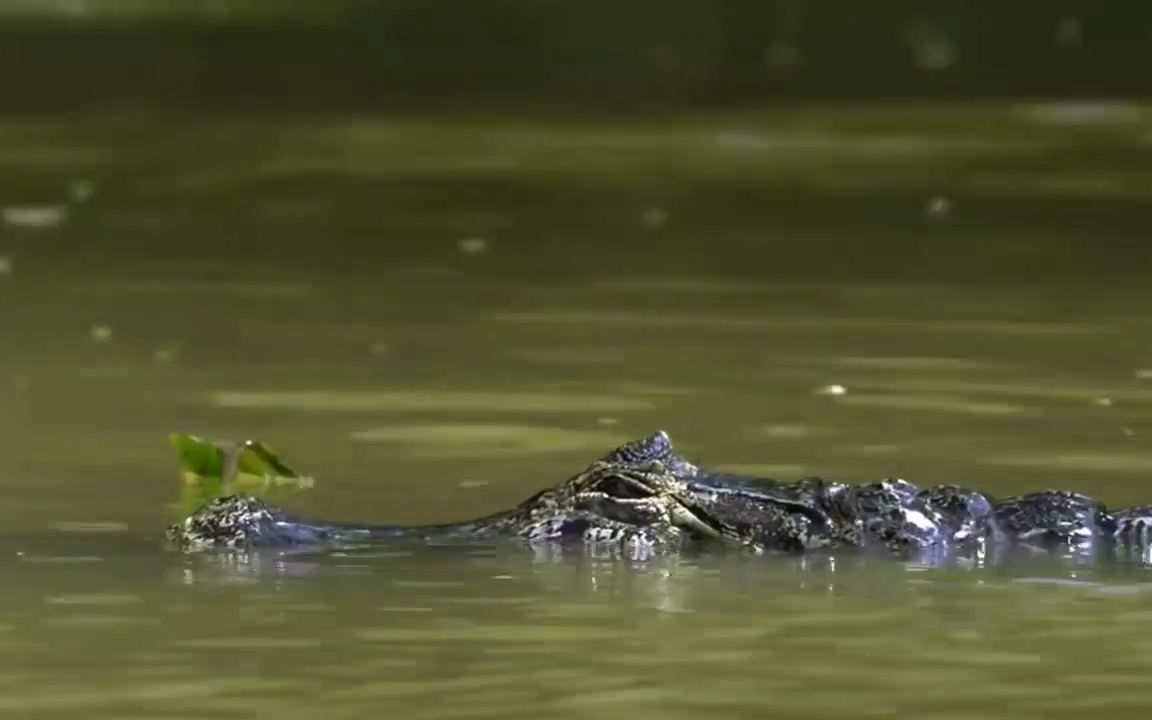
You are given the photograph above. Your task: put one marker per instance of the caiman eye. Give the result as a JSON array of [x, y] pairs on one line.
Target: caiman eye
[[623, 488]]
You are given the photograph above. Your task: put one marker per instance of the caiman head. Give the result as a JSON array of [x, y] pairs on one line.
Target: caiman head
[[610, 503], [641, 496], [644, 494], [655, 447], [757, 512]]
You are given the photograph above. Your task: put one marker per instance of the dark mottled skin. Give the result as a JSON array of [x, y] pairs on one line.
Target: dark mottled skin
[[632, 508], [643, 498]]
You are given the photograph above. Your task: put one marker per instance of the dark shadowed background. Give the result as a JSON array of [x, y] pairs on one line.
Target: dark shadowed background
[[600, 57]]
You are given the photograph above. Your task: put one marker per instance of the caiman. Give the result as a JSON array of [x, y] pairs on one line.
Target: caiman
[[644, 498]]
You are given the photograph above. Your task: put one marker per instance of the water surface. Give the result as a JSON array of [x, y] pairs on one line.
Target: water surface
[[437, 319]]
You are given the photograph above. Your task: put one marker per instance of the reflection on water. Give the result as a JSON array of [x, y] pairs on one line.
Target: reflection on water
[[705, 323], [317, 285], [444, 633]]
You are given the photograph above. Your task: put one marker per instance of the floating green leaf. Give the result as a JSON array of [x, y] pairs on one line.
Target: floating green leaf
[[213, 469]]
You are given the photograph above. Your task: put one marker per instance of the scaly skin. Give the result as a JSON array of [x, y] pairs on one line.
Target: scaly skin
[[643, 498], [899, 516], [634, 508]]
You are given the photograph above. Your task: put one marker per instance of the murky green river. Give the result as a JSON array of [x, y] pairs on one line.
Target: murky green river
[[437, 318]]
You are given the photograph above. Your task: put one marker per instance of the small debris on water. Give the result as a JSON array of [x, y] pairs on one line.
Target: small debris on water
[[379, 349], [100, 333], [938, 207], [782, 54], [654, 218], [81, 190], [167, 353], [5, 265], [786, 432], [1143, 374], [607, 421], [474, 245], [90, 527], [34, 216], [1069, 32], [878, 448], [1102, 401], [834, 390], [1083, 112], [932, 48], [1128, 432], [472, 483]]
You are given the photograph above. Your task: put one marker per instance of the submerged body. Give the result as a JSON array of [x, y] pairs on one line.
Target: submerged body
[[644, 498]]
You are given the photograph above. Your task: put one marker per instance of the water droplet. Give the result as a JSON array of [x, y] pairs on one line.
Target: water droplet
[[932, 48], [81, 190], [833, 390], [938, 207], [1069, 32], [654, 218], [379, 349], [782, 54], [473, 245], [167, 353], [100, 333]]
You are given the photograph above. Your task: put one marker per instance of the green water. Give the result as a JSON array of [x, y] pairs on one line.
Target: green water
[[438, 317]]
